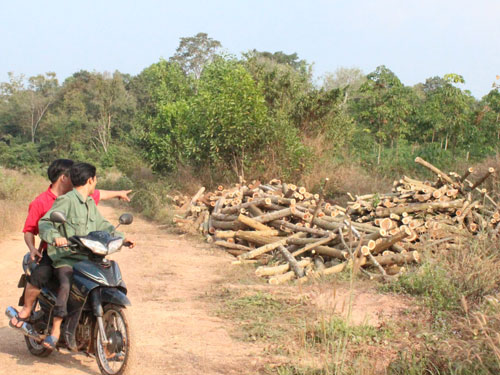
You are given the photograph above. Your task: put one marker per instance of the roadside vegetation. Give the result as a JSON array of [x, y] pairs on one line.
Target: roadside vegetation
[[17, 190], [448, 324]]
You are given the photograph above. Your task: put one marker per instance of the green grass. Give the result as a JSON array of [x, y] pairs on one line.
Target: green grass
[[327, 331], [259, 315], [431, 283]]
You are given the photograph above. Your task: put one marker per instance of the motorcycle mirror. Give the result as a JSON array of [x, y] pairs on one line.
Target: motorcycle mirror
[[126, 219], [58, 217]]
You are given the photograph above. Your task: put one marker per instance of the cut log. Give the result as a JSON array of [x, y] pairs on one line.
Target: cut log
[[194, 200], [258, 237], [387, 224], [399, 259], [277, 270], [388, 242], [231, 245], [331, 252], [280, 279], [331, 270], [296, 268], [319, 263], [432, 168], [227, 225], [482, 179], [254, 210], [313, 245], [324, 272], [236, 209], [466, 174], [266, 248], [397, 248], [465, 211], [297, 228], [415, 207], [252, 223], [224, 217], [273, 215]]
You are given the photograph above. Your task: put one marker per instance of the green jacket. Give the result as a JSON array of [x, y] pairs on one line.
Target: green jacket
[[82, 218]]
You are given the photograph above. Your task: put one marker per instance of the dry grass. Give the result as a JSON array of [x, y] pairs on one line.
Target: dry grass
[[343, 177], [462, 289], [17, 190]]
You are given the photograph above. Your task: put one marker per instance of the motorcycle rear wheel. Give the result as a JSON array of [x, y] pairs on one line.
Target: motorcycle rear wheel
[[36, 348], [113, 358]]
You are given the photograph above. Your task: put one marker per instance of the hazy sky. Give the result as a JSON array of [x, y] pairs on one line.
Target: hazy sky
[[415, 39]]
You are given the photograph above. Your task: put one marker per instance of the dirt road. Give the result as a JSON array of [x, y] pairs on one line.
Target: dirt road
[[174, 331]]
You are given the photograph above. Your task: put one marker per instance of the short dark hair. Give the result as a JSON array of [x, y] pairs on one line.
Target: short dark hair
[[81, 172], [59, 167]]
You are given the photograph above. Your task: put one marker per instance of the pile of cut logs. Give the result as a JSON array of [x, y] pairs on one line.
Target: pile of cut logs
[[303, 236]]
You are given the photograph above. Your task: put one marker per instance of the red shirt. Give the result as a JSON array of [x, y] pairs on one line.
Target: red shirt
[[41, 205]]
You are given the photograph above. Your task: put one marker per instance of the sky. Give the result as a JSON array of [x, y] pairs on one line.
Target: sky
[[415, 39]]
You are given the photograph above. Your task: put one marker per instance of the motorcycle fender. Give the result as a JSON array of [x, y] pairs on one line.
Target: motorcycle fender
[[114, 296], [101, 296]]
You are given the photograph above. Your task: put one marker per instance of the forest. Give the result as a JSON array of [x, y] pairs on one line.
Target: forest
[[260, 115]]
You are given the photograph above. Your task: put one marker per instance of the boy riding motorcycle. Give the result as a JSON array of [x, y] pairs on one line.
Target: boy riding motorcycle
[[58, 174], [82, 217]]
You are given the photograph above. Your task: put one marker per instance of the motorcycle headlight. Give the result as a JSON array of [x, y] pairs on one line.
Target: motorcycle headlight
[[95, 246], [115, 245]]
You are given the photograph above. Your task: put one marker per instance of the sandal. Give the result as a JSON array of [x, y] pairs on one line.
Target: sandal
[[50, 342], [13, 313], [25, 327]]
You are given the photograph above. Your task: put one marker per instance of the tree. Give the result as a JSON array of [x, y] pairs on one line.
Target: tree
[[42, 93], [92, 110], [223, 122], [447, 109], [487, 123], [195, 52], [384, 107], [285, 82], [347, 79], [165, 95], [230, 115], [14, 108], [108, 100], [26, 103], [292, 60]]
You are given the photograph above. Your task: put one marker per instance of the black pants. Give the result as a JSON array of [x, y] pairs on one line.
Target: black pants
[[65, 277], [42, 274]]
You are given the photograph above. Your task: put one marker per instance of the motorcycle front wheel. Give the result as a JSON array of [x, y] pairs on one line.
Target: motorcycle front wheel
[[113, 358]]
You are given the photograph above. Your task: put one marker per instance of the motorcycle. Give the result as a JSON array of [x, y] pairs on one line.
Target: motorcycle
[[96, 323]]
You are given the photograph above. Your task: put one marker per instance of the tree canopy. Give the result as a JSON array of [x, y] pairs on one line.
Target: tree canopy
[[258, 113]]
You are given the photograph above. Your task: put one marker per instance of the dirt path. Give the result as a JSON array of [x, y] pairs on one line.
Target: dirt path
[[174, 332]]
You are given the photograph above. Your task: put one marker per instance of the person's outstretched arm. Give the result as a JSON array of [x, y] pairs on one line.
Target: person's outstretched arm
[[110, 194]]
